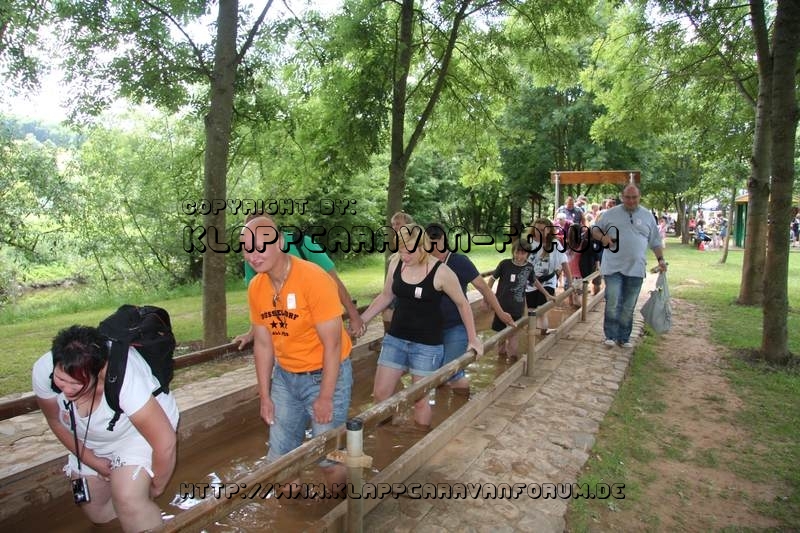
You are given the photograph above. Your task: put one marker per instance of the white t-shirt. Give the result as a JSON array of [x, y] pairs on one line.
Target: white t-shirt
[[543, 266], [137, 388]]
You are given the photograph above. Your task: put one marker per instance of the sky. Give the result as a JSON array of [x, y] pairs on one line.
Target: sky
[[45, 105], [48, 103]]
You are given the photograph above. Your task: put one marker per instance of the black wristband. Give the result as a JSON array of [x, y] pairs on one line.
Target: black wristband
[[659, 259]]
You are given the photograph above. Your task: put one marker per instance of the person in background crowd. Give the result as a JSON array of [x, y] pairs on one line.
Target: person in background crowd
[[581, 259], [561, 225], [662, 230], [608, 203], [570, 210], [548, 261]]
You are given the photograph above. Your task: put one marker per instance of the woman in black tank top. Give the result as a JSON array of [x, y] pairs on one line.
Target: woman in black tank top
[[414, 341]]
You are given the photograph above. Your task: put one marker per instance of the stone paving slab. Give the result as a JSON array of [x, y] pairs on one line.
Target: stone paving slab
[[541, 430]]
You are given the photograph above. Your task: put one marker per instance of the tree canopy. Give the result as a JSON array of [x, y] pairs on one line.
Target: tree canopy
[[454, 110]]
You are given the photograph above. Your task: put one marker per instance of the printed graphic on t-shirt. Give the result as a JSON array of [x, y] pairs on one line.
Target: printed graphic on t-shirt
[[541, 267], [278, 321]]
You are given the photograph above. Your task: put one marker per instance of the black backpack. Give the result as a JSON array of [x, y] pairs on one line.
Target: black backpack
[[148, 329]]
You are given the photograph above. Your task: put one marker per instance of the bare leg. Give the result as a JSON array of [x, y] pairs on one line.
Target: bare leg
[[99, 509], [542, 323], [136, 511], [386, 380], [513, 345], [502, 348], [422, 409], [460, 383]]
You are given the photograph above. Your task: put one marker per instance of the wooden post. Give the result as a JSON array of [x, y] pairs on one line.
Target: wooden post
[[584, 299], [355, 476], [531, 342], [557, 199]]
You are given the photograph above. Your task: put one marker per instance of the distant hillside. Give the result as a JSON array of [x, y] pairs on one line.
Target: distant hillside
[[59, 135]]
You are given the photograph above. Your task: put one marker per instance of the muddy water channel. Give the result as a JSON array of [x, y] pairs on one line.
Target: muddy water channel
[[238, 446]]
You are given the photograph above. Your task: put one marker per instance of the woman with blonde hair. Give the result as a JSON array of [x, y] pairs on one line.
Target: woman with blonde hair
[[398, 220], [414, 342]]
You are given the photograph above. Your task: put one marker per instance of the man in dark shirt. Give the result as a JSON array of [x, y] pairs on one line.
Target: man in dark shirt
[[571, 210]]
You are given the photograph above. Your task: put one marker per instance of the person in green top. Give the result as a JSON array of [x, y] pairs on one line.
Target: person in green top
[[310, 251]]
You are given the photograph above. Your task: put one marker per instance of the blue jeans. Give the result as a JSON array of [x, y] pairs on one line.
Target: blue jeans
[[455, 344], [621, 295], [293, 396]]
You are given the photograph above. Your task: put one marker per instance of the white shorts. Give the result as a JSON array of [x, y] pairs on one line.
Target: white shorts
[[132, 451]]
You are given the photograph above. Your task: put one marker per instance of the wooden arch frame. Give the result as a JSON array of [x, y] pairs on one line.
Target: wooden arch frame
[[591, 177]]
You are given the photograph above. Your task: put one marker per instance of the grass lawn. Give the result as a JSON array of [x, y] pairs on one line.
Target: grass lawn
[[632, 437]]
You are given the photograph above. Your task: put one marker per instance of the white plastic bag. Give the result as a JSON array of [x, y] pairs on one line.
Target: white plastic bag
[[656, 311]]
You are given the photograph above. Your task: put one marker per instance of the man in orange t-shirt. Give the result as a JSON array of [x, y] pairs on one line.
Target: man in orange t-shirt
[[300, 346]]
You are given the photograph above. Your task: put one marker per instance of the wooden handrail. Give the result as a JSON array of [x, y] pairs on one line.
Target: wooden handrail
[[27, 402], [291, 464]]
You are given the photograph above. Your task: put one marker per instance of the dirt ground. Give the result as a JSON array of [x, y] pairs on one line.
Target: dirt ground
[[691, 483]]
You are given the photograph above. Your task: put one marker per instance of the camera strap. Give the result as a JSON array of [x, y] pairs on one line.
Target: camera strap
[[74, 427]]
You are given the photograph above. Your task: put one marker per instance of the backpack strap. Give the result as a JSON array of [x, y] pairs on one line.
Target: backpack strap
[[115, 373], [547, 277]]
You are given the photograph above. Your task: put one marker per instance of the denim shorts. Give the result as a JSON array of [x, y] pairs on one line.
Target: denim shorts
[[455, 344], [293, 396], [419, 359]]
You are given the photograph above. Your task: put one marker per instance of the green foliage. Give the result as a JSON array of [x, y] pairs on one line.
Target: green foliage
[[548, 129], [340, 92], [32, 193], [129, 46], [129, 187], [20, 22], [436, 192], [551, 40], [60, 136]]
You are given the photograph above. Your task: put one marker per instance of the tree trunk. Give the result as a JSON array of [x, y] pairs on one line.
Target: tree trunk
[[786, 43], [680, 209], [399, 160], [730, 214], [750, 292], [516, 217], [218, 135], [682, 223], [400, 150]]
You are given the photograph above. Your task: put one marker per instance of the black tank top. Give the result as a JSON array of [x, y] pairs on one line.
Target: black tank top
[[417, 315]]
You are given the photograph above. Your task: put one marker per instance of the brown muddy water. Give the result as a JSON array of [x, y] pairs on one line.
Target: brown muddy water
[[230, 450]]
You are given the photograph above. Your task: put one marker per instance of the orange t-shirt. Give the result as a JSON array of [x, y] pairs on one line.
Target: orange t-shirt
[[309, 297]]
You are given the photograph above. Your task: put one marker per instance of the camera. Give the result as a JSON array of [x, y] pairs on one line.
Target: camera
[[80, 491]]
